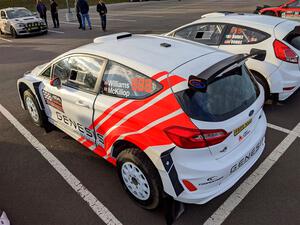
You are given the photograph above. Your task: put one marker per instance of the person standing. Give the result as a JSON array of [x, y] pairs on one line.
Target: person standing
[[102, 10], [54, 13], [84, 11], [42, 10], [77, 10]]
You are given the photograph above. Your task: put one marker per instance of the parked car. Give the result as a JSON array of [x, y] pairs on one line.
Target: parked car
[[288, 10], [19, 21], [174, 117], [239, 33]]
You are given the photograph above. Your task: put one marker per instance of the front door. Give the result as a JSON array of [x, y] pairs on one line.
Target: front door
[[70, 106]]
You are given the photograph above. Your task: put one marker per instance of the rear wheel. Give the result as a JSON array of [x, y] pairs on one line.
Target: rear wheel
[[263, 82], [33, 108], [139, 178]]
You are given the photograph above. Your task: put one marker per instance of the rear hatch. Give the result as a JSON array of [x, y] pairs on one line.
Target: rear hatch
[[229, 109]]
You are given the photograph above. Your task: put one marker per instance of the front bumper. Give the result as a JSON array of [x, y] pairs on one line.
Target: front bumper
[[211, 176], [27, 31]]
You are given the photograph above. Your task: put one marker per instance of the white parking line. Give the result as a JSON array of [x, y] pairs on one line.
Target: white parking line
[[55, 31], [73, 23], [240, 193], [102, 212], [3, 39]]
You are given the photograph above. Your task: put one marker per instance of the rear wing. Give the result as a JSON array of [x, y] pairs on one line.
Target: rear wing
[[202, 80]]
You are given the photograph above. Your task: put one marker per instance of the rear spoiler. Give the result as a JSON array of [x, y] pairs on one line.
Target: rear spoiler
[[202, 80]]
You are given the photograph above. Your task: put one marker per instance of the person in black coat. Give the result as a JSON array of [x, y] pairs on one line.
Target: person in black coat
[[54, 13], [78, 14], [42, 10], [102, 10]]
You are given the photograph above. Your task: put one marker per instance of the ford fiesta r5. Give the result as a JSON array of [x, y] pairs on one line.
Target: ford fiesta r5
[[174, 118]]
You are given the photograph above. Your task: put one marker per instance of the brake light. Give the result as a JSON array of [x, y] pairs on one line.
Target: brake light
[[284, 52], [195, 138]]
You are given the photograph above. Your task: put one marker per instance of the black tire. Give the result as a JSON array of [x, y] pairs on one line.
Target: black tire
[[142, 162], [1, 32], [13, 32], [269, 13], [39, 119], [262, 81]]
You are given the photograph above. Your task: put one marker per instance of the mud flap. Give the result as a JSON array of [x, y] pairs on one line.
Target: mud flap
[[172, 209]]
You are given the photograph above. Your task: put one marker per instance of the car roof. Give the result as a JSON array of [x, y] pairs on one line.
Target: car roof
[[260, 22], [13, 8], [146, 53]]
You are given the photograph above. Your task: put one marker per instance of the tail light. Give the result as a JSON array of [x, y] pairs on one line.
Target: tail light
[[283, 52], [195, 138]]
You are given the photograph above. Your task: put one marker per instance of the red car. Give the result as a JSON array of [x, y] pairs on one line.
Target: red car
[[289, 10]]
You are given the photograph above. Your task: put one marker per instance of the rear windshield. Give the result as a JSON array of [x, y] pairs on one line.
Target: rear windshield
[[226, 96], [293, 38]]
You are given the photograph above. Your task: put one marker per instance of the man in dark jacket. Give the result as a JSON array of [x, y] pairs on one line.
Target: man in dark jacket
[[54, 13], [77, 10], [42, 10], [102, 10], [84, 11]]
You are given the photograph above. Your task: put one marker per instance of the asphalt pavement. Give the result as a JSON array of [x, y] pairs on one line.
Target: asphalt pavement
[[32, 192]]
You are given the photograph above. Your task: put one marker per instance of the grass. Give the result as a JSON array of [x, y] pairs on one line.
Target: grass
[[30, 4]]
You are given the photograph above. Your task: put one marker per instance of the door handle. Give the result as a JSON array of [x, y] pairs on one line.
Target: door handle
[[82, 104]]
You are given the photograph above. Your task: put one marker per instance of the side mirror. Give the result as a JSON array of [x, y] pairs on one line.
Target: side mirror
[[3, 17], [55, 82]]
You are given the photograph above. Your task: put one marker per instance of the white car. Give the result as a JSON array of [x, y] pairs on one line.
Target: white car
[[173, 117], [239, 33], [19, 21]]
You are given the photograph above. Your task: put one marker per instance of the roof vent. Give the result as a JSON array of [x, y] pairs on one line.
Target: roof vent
[[166, 45], [124, 36], [112, 37]]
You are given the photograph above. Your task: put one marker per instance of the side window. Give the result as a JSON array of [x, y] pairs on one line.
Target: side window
[[61, 69], [84, 72], [242, 35], [121, 81], [3, 16], [204, 33], [46, 73]]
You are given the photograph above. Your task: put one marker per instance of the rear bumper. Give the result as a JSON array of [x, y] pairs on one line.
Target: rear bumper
[[211, 176], [285, 77]]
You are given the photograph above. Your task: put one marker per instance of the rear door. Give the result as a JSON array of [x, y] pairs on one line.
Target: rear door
[[71, 105], [233, 103]]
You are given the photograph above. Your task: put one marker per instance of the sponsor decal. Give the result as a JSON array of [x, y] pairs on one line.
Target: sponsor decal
[[79, 128], [239, 130], [246, 158], [53, 100], [211, 180]]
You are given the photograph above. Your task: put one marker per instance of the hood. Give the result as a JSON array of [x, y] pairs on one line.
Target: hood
[[26, 19], [38, 69]]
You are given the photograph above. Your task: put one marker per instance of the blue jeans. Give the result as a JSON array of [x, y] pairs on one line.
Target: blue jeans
[[87, 17]]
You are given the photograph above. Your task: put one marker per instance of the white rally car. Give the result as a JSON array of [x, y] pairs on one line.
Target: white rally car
[[19, 21], [173, 117], [239, 33]]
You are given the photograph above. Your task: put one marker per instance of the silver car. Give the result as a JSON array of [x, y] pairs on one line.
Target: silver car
[[19, 21]]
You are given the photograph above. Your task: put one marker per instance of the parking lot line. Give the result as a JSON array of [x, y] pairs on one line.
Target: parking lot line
[[55, 31], [3, 39], [73, 23], [240, 193], [101, 211]]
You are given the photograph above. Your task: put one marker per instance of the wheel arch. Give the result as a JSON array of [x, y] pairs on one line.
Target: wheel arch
[[22, 87], [263, 79]]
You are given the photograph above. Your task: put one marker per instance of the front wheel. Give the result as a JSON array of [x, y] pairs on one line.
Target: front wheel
[[13, 32], [33, 108], [139, 178]]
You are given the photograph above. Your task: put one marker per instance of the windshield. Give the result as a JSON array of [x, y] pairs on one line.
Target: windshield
[[18, 13], [225, 97]]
